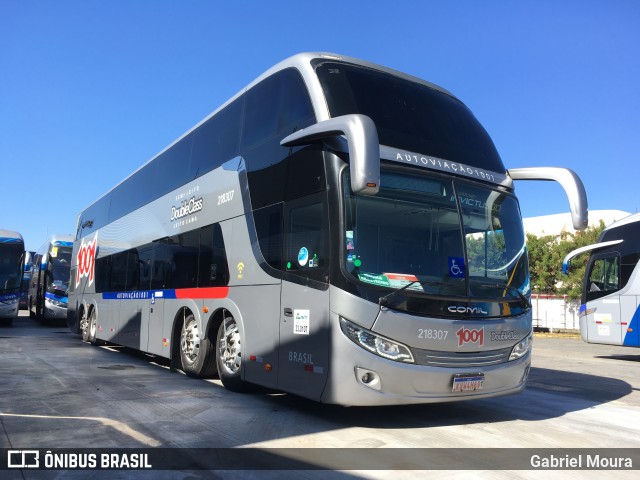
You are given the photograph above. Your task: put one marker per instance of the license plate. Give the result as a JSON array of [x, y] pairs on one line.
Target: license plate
[[468, 382]]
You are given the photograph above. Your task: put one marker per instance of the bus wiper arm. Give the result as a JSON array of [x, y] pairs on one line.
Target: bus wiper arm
[[525, 300], [382, 301]]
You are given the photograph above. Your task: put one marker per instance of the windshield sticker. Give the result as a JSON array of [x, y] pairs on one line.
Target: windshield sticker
[[380, 280], [456, 267], [350, 244], [54, 252], [313, 262], [399, 280], [303, 256]]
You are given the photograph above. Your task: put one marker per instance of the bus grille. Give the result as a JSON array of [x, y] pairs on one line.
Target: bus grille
[[436, 358]]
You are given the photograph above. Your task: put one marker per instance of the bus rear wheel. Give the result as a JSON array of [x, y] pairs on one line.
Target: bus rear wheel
[[229, 356], [196, 353], [89, 327]]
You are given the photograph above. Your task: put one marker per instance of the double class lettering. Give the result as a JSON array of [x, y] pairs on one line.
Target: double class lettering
[[188, 207]]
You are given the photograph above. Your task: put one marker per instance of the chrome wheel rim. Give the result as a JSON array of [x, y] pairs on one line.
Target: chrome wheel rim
[[230, 349], [190, 341]]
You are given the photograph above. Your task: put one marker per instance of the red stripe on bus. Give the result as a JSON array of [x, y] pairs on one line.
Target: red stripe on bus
[[210, 292]]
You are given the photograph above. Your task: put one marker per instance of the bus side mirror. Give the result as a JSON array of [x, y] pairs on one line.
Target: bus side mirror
[[362, 141], [571, 183]]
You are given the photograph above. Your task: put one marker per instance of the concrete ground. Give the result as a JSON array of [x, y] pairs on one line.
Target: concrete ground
[[56, 392]]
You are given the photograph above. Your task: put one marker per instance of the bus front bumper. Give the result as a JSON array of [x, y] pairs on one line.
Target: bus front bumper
[[362, 378], [54, 311]]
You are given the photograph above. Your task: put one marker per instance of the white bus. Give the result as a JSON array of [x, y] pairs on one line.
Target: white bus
[[337, 230], [611, 287], [11, 265], [49, 284]]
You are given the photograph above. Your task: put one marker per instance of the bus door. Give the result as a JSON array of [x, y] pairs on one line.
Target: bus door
[[629, 320], [603, 313], [304, 319]]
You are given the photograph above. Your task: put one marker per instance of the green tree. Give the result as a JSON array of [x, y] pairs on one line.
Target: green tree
[[545, 261]]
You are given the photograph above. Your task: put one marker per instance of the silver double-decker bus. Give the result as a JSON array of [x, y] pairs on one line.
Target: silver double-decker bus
[[11, 265], [609, 311], [337, 230], [49, 283]]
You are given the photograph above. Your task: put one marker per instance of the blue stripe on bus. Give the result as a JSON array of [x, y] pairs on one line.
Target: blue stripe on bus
[[9, 297], [133, 295], [58, 298], [632, 337], [10, 240], [172, 294], [60, 243]]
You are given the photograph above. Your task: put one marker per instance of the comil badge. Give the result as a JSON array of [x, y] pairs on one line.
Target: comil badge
[[86, 259]]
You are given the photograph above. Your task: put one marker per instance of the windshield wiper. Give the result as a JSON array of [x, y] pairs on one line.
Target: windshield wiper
[[383, 300], [525, 300]]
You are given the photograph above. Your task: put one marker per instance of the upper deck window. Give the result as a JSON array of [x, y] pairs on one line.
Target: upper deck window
[[409, 115]]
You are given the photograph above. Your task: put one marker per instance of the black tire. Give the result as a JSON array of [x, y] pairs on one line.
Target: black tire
[[197, 355], [229, 356], [89, 332]]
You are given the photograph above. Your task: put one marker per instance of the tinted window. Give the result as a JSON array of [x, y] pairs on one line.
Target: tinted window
[[213, 270], [275, 108], [102, 273], [604, 277], [118, 272], [217, 140], [144, 267], [183, 269], [268, 222], [409, 115], [306, 249]]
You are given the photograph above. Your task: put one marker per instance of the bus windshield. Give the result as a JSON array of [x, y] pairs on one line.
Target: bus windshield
[[409, 115], [436, 236], [11, 267], [60, 259]]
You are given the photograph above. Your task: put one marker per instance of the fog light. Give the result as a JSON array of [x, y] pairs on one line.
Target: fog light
[[368, 378]]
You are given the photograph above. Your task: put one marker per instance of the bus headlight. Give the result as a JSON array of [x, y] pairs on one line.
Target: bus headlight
[[57, 303], [374, 343], [522, 348]]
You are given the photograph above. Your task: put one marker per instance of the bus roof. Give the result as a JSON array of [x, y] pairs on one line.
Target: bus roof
[[303, 63], [633, 218], [10, 236]]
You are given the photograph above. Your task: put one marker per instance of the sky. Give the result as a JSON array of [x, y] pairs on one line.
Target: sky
[[91, 90]]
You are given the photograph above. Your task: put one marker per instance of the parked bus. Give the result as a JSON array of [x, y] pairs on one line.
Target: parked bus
[[337, 230], [49, 287], [11, 264], [26, 280], [609, 310]]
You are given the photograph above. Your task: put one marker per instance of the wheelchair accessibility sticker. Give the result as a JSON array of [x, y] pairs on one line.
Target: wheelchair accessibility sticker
[[456, 267]]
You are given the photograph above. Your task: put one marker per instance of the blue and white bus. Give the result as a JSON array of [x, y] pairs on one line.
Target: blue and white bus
[[609, 310], [337, 230], [49, 286], [11, 265], [26, 279]]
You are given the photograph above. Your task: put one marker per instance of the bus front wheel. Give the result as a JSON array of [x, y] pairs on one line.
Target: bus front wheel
[[196, 353], [229, 356]]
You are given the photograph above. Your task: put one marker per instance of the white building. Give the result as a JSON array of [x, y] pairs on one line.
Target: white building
[[561, 222]]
